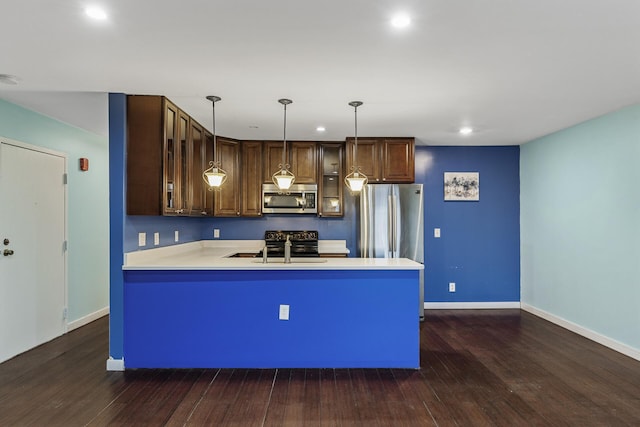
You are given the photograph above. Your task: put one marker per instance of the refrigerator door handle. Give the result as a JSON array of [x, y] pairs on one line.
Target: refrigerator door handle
[[390, 224], [394, 225]]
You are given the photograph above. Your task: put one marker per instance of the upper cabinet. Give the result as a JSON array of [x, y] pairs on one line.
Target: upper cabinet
[[151, 145], [227, 198], [167, 152], [302, 158], [197, 157], [251, 178], [331, 185], [384, 160]]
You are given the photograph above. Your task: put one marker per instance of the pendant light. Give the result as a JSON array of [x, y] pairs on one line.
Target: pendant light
[[214, 176], [356, 180], [284, 178]]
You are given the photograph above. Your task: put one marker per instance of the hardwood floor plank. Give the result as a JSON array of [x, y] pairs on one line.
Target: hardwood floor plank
[[250, 407], [199, 387], [222, 392], [276, 409]]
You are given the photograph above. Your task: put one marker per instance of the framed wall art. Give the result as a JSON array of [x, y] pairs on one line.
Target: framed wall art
[[462, 186]]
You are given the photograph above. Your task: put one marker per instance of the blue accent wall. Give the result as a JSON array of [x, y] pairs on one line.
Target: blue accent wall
[[479, 247], [581, 225], [117, 193]]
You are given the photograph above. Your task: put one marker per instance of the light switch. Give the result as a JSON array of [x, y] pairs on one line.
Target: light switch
[[142, 239], [436, 233], [156, 239], [284, 312]]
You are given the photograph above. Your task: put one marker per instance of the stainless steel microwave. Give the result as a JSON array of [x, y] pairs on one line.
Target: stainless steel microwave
[[300, 198]]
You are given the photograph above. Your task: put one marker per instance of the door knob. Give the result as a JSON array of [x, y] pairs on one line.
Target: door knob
[[7, 252]]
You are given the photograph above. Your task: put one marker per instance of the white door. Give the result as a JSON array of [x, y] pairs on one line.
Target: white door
[[32, 252]]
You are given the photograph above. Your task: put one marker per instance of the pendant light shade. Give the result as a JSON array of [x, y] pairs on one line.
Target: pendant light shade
[[214, 177], [283, 178], [356, 180]]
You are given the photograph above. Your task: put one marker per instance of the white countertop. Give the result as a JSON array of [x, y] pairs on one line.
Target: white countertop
[[212, 255]]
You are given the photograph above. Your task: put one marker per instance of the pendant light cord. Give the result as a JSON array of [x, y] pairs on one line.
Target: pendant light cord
[[216, 156], [284, 147], [355, 150]]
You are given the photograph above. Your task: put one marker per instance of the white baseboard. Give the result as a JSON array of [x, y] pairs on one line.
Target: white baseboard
[[587, 333], [87, 319], [469, 305], [115, 364]]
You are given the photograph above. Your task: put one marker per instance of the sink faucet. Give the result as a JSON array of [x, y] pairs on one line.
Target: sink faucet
[[264, 254], [287, 250]]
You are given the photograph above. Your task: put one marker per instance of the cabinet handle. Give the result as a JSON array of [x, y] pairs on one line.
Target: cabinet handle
[[203, 213], [237, 213], [384, 179]]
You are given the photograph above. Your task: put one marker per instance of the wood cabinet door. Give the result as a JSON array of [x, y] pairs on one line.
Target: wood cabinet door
[[303, 160], [368, 158], [146, 146], [398, 162], [227, 199], [208, 157], [251, 185], [196, 164], [272, 152]]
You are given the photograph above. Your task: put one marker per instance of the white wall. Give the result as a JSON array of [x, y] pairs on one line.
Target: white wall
[[580, 226], [88, 198]]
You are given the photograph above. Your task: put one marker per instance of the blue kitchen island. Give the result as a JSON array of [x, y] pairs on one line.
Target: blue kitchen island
[[191, 306]]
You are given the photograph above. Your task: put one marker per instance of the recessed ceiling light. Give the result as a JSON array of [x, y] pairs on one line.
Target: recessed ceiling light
[[9, 79], [321, 129], [401, 20], [466, 130], [95, 12]]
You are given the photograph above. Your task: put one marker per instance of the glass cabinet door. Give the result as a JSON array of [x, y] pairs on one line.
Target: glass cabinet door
[[170, 155], [332, 175], [184, 182]]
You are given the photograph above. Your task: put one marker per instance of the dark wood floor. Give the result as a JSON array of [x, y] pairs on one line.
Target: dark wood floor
[[503, 368]]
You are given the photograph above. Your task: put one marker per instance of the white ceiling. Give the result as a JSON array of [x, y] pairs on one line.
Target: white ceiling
[[513, 69]]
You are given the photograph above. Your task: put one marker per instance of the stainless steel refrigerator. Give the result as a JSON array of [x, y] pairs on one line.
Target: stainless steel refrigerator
[[391, 225]]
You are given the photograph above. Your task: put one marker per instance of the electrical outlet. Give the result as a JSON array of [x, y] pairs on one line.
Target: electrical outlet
[[284, 312], [452, 287], [216, 233], [436, 233], [156, 238], [142, 239], [176, 236]]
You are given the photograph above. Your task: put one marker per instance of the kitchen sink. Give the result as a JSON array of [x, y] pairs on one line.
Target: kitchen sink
[[243, 255], [293, 261]]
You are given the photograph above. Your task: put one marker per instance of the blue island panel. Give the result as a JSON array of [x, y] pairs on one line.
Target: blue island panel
[[230, 319]]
